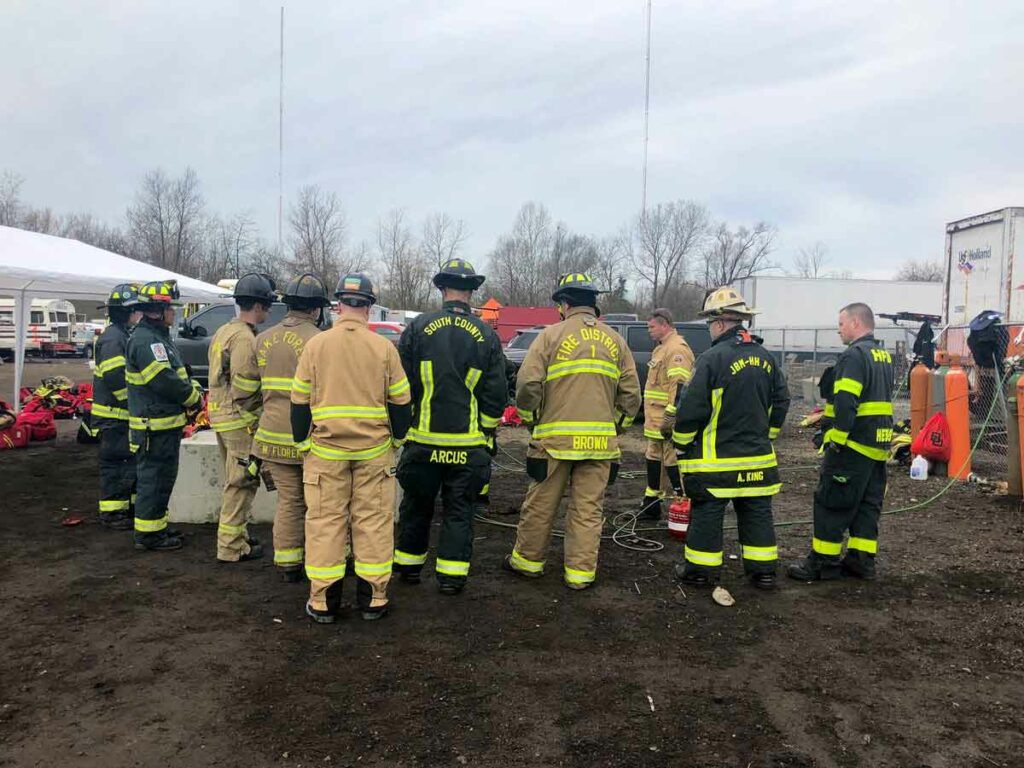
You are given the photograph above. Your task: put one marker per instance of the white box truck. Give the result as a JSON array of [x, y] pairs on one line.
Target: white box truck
[[981, 268]]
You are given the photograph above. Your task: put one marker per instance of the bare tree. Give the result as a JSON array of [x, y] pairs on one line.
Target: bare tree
[[42, 220], [266, 260], [10, 199], [167, 222], [665, 239], [406, 267], [230, 243], [443, 238], [924, 271], [810, 262], [736, 254], [87, 229], [519, 258], [317, 221]]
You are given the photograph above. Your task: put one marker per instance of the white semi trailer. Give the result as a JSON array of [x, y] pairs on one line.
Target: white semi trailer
[[985, 266]]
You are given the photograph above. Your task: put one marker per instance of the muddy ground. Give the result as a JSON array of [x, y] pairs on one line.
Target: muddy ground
[[111, 657]]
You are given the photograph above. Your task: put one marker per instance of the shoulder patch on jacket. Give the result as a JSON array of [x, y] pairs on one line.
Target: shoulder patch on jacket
[[159, 352]]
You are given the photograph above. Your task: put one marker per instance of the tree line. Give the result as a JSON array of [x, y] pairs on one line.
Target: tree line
[[666, 256]]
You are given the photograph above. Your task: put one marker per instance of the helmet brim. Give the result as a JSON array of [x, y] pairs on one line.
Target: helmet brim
[[458, 282]]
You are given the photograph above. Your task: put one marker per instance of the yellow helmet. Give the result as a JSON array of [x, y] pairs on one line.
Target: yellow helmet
[[726, 302]]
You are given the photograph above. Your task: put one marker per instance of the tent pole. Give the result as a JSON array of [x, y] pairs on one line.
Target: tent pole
[[22, 314]]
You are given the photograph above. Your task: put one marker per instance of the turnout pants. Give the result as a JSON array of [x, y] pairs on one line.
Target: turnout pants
[[117, 472], [704, 550], [290, 515], [588, 480], [239, 489], [340, 494], [662, 464], [849, 497], [156, 462], [460, 476]]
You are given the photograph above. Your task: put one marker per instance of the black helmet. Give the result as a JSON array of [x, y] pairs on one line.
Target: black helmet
[[125, 295], [356, 290], [306, 290], [460, 275], [256, 286], [160, 293], [575, 285]]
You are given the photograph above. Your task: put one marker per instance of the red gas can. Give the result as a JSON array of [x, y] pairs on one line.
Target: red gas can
[[679, 518]]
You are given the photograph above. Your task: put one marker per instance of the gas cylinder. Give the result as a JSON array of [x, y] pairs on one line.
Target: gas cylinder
[[679, 517], [937, 399], [958, 414], [1013, 457], [920, 396]]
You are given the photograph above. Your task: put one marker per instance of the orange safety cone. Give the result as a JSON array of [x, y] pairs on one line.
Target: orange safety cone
[[958, 414]]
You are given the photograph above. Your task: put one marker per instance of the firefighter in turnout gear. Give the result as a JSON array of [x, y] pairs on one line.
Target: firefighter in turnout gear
[[350, 403], [277, 354], [853, 475], [234, 405], [578, 389], [456, 367], [160, 395], [727, 418], [110, 409], [670, 368]]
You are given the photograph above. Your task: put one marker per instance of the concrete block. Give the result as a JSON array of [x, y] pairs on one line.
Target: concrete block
[[197, 493], [809, 390]]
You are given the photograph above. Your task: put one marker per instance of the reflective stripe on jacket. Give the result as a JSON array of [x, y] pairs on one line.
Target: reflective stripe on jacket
[[728, 415], [578, 387], [277, 355], [159, 389], [456, 370], [347, 376], [862, 401], [671, 367], [109, 388], [234, 401]]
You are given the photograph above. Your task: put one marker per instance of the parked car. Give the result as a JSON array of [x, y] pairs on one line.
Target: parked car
[[390, 331], [193, 334], [634, 332]]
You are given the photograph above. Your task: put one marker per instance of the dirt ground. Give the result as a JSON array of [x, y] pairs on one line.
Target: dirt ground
[[111, 657]]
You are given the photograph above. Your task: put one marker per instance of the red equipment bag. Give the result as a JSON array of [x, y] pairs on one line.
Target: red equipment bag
[[38, 424], [510, 418], [15, 436], [934, 441]]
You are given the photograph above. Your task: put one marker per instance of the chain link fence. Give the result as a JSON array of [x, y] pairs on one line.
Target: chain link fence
[[805, 352]]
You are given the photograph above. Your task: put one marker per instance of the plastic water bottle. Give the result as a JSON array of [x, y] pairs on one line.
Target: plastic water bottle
[[919, 468]]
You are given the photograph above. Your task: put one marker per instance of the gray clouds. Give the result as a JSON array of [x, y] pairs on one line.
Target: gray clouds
[[864, 125]]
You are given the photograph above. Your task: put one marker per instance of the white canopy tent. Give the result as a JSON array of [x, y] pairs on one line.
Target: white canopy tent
[[42, 266]]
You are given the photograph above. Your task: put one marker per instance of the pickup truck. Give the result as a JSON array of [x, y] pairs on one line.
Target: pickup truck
[[193, 334], [637, 339]]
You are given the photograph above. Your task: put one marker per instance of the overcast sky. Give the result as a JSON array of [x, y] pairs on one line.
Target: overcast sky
[[866, 125]]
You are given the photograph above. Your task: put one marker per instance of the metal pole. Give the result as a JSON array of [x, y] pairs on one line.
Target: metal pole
[[280, 144], [647, 110]]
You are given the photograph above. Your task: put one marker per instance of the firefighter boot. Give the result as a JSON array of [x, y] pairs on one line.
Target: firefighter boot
[[763, 580], [813, 568], [650, 508], [158, 542], [859, 565], [333, 599], [692, 577], [117, 521]]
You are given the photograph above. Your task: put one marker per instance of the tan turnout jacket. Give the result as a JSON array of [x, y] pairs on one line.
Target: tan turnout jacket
[[347, 376], [234, 401], [671, 366], [578, 388], [277, 355]]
